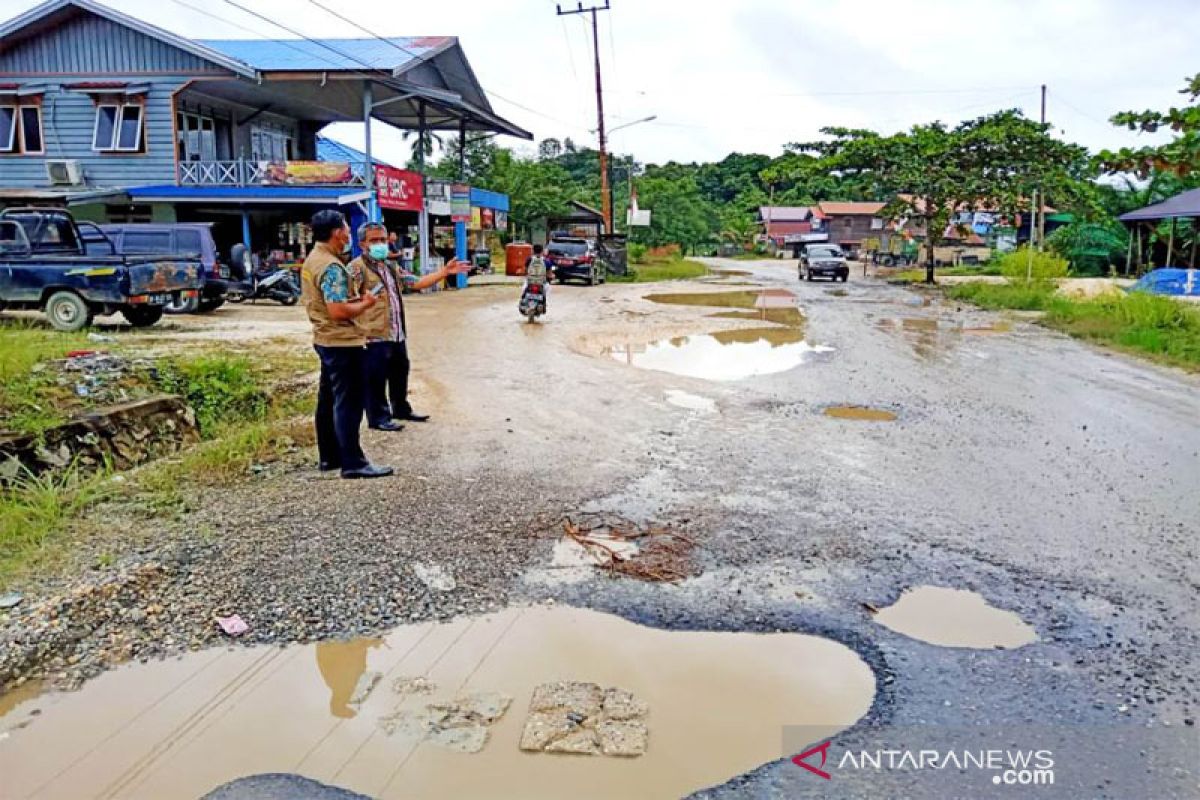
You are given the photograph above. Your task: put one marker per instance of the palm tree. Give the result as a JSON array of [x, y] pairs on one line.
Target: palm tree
[[422, 146]]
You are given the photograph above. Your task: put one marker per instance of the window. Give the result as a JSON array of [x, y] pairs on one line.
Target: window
[[270, 145], [21, 129], [147, 242], [118, 127], [197, 137], [876, 224], [187, 241], [8, 129]]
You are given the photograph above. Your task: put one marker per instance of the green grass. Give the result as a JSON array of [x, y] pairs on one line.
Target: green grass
[[1018, 296], [917, 274], [35, 512], [654, 270], [31, 402], [1163, 329]]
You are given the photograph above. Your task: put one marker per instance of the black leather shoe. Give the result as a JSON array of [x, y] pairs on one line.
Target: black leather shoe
[[389, 425], [369, 471], [411, 417], [325, 466]]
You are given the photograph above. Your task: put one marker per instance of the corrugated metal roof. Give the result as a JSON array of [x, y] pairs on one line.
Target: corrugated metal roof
[[330, 150], [784, 213], [850, 208], [326, 54], [1186, 204]]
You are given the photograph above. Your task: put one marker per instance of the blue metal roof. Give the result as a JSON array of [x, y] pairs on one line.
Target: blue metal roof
[[170, 193], [325, 54], [331, 150]]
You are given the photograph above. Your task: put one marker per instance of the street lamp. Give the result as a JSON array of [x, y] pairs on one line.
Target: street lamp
[[628, 172]]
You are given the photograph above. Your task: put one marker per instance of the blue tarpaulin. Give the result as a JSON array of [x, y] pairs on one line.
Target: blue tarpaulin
[[1170, 281]]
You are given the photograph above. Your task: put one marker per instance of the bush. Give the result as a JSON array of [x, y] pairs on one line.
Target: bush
[[220, 389], [1019, 296], [1160, 326], [636, 253], [1014, 265]]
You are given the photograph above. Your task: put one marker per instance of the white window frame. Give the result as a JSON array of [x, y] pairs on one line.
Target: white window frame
[[41, 129], [876, 223], [11, 146], [114, 142]]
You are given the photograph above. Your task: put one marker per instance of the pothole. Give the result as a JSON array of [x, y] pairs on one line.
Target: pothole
[[955, 618], [734, 354], [689, 401], [863, 413], [715, 702]]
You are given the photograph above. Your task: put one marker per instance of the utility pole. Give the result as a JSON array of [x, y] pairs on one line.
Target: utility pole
[[605, 199], [1042, 210]]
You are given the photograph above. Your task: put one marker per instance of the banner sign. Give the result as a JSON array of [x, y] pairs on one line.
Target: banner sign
[[305, 173], [460, 202], [398, 189]]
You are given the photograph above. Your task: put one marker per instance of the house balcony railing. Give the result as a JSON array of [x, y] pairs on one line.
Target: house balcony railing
[[246, 172]]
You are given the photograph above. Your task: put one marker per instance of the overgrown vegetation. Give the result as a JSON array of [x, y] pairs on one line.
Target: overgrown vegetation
[[31, 402], [1164, 329], [221, 389], [1017, 296], [648, 265], [34, 510], [1043, 267]]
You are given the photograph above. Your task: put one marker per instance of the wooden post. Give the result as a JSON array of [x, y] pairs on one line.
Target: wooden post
[[1170, 242], [1129, 254]]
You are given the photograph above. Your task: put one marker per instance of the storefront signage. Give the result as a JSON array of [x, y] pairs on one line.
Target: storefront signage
[[460, 202], [487, 219], [502, 220], [398, 189], [437, 197], [305, 173]]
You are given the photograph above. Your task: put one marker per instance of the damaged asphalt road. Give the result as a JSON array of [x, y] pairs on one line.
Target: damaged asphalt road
[[1056, 480]]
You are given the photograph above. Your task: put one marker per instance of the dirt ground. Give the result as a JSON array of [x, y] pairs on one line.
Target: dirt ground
[[1056, 480]]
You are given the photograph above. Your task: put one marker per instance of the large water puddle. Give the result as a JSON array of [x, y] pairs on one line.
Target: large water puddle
[[717, 704], [733, 354], [955, 618]]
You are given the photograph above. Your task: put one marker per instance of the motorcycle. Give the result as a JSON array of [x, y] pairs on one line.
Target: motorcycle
[[533, 301], [276, 284]]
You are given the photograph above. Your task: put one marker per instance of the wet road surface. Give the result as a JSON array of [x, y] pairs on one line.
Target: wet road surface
[[1057, 481]]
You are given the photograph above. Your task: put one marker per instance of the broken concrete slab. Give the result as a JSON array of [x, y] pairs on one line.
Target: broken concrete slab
[[585, 719], [461, 724], [413, 685], [621, 704], [625, 738], [582, 698], [435, 577]]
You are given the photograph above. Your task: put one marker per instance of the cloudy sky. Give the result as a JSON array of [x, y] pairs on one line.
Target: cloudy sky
[[751, 76]]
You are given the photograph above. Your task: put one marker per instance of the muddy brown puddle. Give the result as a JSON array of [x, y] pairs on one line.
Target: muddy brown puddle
[[955, 618], [734, 354], [862, 413], [717, 703]]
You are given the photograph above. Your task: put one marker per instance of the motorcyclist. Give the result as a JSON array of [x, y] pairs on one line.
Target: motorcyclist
[[537, 273]]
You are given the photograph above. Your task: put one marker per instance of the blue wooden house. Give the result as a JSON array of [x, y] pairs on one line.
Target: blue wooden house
[[124, 121]]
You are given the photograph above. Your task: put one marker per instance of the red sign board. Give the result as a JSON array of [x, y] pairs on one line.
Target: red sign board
[[398, 189]]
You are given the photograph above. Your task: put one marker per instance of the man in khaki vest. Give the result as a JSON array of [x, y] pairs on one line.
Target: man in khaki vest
[[387, 364], [334, 297]]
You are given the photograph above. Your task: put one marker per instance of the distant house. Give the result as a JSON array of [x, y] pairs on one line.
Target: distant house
[[848, 223], [786, 228]]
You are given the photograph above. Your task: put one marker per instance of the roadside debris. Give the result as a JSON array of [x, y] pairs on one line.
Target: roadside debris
[[647, 553], [413, 685], [10, 599], [435, 577], [232, 625], [461, 724], [585, 719], [100, 337]]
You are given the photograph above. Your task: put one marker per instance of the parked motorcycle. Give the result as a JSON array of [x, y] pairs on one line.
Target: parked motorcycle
[[276, 284], [533, 301]]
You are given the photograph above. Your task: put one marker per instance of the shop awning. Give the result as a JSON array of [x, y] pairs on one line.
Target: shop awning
[[1184, 205], [250, 195]]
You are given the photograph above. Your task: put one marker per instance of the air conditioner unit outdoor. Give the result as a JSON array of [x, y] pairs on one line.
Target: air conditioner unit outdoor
[[64, 172]]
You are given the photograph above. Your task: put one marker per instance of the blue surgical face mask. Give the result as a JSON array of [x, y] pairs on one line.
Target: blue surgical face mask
[[378, 251]]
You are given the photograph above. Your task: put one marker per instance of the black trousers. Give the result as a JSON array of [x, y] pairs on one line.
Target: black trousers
[[387, 370], [340, 402]]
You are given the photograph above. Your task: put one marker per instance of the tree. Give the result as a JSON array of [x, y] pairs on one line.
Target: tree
[[1181, 155], [421, 146], [536, 189], [992, 163], [549, 149], [680, 215], [477, 160]]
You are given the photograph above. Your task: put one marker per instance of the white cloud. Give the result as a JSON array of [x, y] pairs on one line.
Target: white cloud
[[754, 75]]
